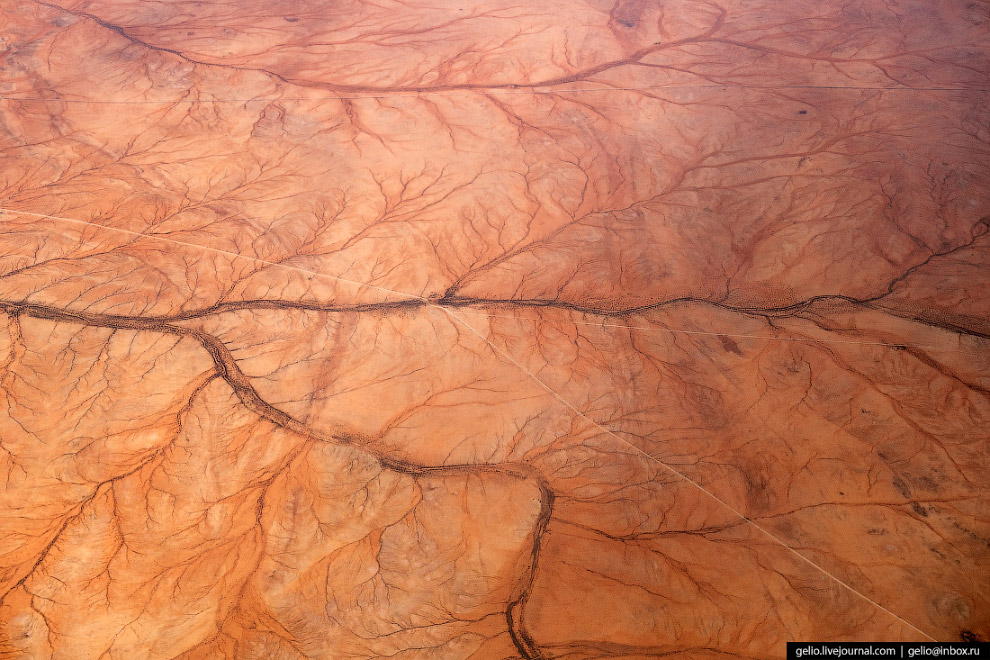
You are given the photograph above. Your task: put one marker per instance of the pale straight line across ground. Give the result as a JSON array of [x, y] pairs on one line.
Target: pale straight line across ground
[[530, 375], [426, 300], [519, 90], [685, 478]]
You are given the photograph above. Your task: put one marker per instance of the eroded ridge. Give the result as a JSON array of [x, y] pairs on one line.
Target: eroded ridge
[[491, 331]]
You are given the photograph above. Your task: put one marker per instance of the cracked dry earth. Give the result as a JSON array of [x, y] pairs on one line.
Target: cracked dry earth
[[572, 330]]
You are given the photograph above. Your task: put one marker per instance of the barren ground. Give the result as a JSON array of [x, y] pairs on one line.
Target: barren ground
[[335, 329]]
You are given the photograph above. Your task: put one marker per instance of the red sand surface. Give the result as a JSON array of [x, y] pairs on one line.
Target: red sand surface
[[439, 329]]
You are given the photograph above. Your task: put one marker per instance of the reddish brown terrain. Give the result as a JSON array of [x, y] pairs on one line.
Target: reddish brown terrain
[[335, 329]]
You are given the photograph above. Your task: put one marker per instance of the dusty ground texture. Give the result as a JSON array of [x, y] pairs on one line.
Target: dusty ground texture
[[554, 330]]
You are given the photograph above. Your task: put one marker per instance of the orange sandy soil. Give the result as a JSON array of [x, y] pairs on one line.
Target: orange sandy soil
[[485, 330]]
